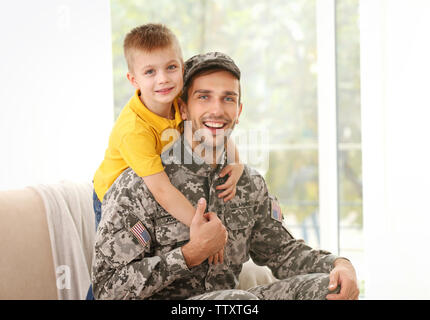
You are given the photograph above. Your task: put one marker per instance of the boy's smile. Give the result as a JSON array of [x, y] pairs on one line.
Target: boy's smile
[[158, 76], [165, 91]]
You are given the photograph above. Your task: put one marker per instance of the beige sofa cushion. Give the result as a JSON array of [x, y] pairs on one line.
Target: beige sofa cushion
[[26, 263]]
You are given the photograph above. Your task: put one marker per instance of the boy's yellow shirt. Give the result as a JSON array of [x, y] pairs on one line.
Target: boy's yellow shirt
[[135, 142]]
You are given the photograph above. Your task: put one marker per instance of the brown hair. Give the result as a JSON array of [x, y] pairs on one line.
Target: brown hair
[[149, 37]]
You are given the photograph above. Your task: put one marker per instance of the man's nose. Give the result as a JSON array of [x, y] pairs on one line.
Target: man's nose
[[217, 108]]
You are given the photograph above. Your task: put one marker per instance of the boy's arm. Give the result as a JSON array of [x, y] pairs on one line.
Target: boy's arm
[[170, 198], [139, 152], [234, 169]]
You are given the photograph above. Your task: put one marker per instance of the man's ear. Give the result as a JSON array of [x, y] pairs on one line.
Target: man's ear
[[132, 80], [182, 108]]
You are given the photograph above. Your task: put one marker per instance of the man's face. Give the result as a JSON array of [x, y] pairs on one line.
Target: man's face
[[158, 75], [213, 107]]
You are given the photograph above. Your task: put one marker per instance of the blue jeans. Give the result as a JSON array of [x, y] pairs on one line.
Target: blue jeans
[[97, 205]]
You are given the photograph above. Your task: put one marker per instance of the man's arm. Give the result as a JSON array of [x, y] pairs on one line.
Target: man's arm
[[273, 245], [123, 267], [344, 275]]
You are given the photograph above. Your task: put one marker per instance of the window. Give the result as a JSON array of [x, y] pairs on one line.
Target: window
[[351, 240]]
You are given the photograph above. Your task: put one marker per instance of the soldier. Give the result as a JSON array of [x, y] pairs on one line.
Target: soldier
[[142, 252]]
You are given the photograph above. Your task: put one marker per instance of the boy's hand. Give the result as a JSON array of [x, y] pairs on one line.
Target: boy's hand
[[217, 257], [235, 172]]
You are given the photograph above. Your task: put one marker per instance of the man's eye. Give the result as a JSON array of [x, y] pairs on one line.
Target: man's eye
[[172, 67], [203, 97], [229, 99]]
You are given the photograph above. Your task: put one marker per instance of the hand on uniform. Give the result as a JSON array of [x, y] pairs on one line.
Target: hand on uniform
[[208, 236]]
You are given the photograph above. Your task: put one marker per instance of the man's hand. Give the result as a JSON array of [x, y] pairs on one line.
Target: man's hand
[[207, 236], [344, 275]]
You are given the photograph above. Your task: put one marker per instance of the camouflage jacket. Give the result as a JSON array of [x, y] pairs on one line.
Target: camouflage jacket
[[153, 267]]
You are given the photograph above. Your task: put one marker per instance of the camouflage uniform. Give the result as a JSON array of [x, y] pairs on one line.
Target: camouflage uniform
[[125, 268]]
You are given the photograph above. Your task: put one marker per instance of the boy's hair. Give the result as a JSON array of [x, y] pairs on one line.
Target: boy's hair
[[149, 37]]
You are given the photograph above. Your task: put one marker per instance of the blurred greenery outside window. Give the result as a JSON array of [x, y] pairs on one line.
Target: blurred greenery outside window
[[274, 44]]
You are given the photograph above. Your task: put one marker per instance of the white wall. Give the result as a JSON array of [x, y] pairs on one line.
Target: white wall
[[56, 95], [395, 73]]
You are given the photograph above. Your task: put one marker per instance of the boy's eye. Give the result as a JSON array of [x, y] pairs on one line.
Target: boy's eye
[[172, 67], [203, 97], [229, 99], [149, 72]]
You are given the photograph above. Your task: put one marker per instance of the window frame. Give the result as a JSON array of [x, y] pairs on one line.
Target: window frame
[[328, 185]]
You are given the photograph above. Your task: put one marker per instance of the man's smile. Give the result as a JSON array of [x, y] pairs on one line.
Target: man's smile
[[215, 127], [214, 124]]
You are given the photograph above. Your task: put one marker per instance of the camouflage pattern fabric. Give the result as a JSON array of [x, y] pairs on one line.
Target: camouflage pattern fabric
[[127, 268], [313, 286], [226, 295]]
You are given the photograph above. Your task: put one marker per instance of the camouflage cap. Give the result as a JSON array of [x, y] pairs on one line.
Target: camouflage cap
[[207, 61]]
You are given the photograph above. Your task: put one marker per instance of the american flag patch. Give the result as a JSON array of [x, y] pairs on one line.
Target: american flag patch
[[140, 233], [276, 211]]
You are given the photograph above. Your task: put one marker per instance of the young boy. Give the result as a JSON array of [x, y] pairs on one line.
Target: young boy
[[156, 68]]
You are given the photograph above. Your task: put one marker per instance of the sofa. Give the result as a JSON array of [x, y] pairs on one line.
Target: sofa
[[46, 243]]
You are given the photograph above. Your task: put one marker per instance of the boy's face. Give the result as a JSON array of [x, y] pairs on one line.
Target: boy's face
[[213, 107], [159, 76]]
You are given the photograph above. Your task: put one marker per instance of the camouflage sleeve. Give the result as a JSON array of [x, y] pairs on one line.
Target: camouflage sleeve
[[274, 246], [123, 266]]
